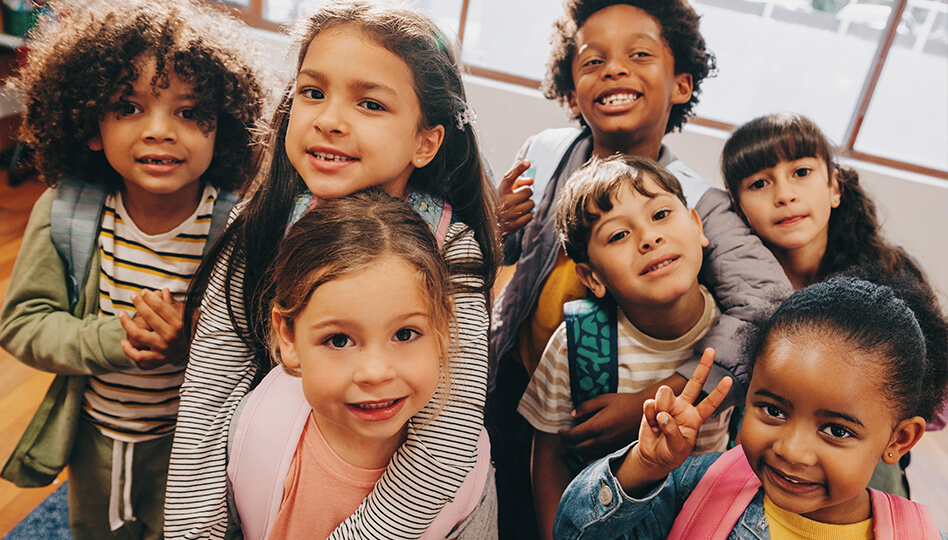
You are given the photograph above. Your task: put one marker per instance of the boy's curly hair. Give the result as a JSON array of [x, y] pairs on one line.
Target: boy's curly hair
[[679, 24], [87, 51]]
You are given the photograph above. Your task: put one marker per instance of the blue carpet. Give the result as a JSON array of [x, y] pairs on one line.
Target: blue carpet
[[48, 521]]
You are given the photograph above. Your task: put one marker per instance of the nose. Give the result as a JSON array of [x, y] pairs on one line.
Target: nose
[[616, 67], [794, 447], [329, 118], [650, 240], [784, 194], [376, 367], [159, 126]]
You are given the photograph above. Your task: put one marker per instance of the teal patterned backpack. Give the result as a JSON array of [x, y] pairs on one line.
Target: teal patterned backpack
[[593, 354]]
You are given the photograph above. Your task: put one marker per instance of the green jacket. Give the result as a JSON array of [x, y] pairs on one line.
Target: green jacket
[[37, 328]]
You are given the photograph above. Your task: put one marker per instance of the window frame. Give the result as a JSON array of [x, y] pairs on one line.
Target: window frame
[[253, 16]]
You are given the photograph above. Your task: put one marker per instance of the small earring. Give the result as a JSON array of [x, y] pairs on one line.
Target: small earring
[[890, 454]]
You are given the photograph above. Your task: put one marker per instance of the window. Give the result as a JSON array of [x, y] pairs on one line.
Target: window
[[876, 84]]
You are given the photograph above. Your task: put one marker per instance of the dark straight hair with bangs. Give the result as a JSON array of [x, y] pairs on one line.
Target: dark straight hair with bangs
[[855, 237]]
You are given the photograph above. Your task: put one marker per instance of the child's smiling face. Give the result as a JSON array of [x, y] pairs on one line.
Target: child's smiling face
[[816, 425], [369, 355], [624, 78], [355, 118], [153, 140]]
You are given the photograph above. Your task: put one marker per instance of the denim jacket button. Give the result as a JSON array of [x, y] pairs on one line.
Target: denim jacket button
[[605, 496]]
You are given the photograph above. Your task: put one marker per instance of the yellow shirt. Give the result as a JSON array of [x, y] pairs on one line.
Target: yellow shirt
[[561, 286], [786, 525]]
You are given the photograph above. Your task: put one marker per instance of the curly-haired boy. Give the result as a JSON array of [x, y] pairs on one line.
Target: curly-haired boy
[[140, 115], [630, 72]]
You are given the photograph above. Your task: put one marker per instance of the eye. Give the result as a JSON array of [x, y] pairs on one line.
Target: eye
[[661, 214], [374, 106], [592, 62], [312, 93], [338, 341], [802, 172], [125, 108], [639, 54], [757, 184], [617, 236], [187, 114], [772, 411], [837, 431], [406, 334]]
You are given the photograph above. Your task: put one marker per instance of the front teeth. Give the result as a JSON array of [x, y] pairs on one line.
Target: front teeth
[[662, 264], [619, 99], [373, 406], [150, 161], [332, 157]]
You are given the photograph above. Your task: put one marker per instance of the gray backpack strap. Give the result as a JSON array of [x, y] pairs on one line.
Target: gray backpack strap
[[222, 206], [547, 150], [74, 226]]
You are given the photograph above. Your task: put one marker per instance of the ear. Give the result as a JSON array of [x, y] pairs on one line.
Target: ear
[[684, 86], [95, 143], [429, 142], [906, 434], [590, 279], [835, 192], [700, 227], [284, 337], [573, 104]]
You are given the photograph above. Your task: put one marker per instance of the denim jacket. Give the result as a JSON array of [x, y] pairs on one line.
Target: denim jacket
[[594, 506]]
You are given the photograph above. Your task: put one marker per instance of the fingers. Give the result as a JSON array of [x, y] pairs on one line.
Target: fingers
[[697, 380], [144, 358], [161, 312], [507, 182], [714, 400], [514, 205], [674, 438], [589, 407]]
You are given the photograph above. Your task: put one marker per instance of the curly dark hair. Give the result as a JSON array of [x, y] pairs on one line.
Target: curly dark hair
[[86, 52], [679, 24], [896, 322], [855, 237]]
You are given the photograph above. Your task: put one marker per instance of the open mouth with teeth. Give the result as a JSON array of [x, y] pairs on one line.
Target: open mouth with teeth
[[153, 161], [375, 405], [792, 484], [620, 98], [331, 157], [659, 265]]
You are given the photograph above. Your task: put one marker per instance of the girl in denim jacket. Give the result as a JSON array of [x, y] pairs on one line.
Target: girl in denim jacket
[[811, 433]]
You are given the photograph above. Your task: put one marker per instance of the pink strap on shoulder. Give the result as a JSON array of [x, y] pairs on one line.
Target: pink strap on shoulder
[[718, 501], [895, 518], [441, 231]]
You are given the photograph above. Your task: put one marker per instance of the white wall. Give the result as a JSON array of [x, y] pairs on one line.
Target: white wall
[[913, 208]]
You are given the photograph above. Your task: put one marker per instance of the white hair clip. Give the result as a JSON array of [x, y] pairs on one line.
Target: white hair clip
[[467, 116]]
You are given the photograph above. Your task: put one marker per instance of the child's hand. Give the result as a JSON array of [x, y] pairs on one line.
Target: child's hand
[[610, 421], [156, 334], [670, 424], [514, 207]]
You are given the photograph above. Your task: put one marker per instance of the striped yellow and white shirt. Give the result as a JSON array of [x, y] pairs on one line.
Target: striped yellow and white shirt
[[137, 405], [643, 361]]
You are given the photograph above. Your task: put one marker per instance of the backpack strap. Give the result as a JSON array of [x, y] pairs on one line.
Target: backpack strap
[[262, 447], [546, 153], [895, 518], [592, 347], [718, 501], [222, 206], [692, 185], [437, 213], [74, 225]]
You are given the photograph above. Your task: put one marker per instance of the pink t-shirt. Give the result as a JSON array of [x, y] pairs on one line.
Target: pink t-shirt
[[321, 490]]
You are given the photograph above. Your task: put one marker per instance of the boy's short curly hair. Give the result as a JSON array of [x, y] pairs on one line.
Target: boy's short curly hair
[[85, 52], [679, 24], [590, 192]]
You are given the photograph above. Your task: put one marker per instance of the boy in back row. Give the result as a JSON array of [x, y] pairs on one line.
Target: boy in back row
[[637, 247], [629, 72]]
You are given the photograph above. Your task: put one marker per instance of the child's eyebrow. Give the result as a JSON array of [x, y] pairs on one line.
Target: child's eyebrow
[[630, 38], [843, 416], [358, 84], [771, 395]]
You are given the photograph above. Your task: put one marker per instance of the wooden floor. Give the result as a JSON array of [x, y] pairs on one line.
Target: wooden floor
[[22, 389]]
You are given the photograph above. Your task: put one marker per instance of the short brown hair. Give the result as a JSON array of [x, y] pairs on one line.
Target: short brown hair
[[590, 190]]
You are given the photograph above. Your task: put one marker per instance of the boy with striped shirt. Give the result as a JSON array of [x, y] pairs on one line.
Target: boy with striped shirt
[[637, 247]]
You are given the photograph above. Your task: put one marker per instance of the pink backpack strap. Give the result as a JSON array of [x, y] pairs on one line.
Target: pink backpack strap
[[895, 518], [267, 433], [718, 501], [467, 497]]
